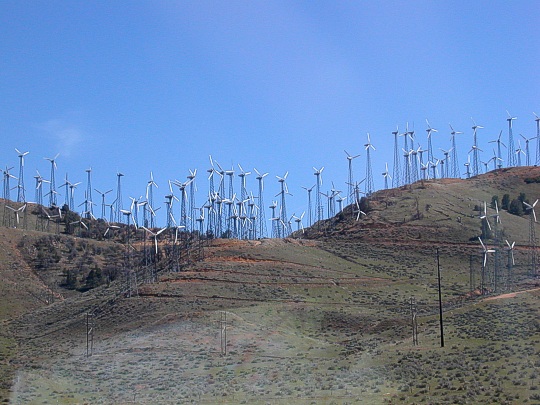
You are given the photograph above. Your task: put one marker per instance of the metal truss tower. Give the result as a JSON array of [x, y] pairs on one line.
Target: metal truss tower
[[261, 217], [192, 208], [89, 211], [119, 206], [396, 179], [284, 219], [318, 200], [52, 184], [455, 163], [20, 186], [369, 172], [310, 210], [537, 119], [511, 149], [475, 149], [350, 181]]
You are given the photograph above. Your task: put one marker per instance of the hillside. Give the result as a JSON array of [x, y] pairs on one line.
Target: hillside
[[321, 317]]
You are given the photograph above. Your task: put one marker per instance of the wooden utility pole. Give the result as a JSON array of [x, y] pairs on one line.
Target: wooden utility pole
[[414, 320], [440, 298], [223, 332], [89, 333]]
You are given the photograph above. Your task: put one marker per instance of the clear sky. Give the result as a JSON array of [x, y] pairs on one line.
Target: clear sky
[[158, 86]]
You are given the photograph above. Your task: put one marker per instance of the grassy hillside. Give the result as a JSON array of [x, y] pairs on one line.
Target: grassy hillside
[[323, 317]]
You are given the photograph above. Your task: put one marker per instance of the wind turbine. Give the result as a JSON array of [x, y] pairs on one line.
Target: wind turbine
[[485, 222], [511, 263], [109, 227], [89, 209], [119, 206], [511, 156], [386, 175], [446, 153], [192, 190], [519, 151], [262, 220], [537, 120], [150, 196], [39, 188], [397, 161], [309, 210], [358, 211], [16, 212], [475, 149], [499, 143], [155, 235], [72, 187], [468, 166], [485, 251], [455, 164], [103, 201], [20, 186], [318, 201], [7, 187], [529, 208], [243, 189], [298, 221], [527, 151], [369, 173], [350, 159], [52, 188], [283, 214], [429, 130]]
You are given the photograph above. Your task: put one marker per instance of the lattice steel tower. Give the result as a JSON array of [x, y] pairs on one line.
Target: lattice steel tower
[[318, 200], [511, 150], [261, 217], [20, 186], [455, 163], [118, 201], [396, 179]]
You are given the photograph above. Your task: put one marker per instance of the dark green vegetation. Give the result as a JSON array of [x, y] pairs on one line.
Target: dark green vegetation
[[320, 319]]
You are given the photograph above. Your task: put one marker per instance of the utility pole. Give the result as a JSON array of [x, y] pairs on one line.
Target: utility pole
[[414, 320], [440, 298], [89, 333], [471, 274], [223, 332]]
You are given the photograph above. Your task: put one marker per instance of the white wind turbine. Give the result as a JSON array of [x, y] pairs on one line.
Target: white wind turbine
[[455, 163], [386, 175], [155, 235], [261, 217], [468, 166], [358, 211], [350, 158], [103, 205], [16, 212], [369, 173], [20, 185], [511, 263], [150, 196], [298, 221], [527, 151], [52, 189], [499, 143], [485, 251], [537, 120], [318, 201], [429, 130], [475, 149], [519, 152], [511, 156]]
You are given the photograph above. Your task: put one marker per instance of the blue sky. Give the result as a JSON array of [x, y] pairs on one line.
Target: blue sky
[[278, 85]]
